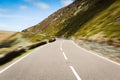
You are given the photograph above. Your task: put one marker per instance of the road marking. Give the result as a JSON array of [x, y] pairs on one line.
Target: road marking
[[6, 68], [13, 64], [61, 46], [65, 56], [71, 67], [94, 53], [75, 73]]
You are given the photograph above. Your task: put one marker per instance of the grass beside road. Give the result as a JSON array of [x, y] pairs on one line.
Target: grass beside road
[[105, 50], [19, 43], [18, 51], [15, 59]]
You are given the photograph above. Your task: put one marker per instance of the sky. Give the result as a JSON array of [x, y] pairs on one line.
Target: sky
[[17, 15]]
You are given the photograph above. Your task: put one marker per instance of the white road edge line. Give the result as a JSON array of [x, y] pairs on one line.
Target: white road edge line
[[75, 73], [65, 56], [6, 68], [13, 64], [94, 53]]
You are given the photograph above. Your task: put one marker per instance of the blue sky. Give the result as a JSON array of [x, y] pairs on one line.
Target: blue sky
[[16, 15]]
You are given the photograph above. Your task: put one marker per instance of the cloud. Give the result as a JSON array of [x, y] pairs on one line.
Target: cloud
[[22, 7], [10, 16], [42, 5], [3, 25], [39, 4], [3, 10], [66, 2], [10, 27]]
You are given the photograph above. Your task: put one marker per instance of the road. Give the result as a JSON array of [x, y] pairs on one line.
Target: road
[[61, 60]]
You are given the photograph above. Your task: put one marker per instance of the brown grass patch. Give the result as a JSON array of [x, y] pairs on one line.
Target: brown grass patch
[[5, 34]]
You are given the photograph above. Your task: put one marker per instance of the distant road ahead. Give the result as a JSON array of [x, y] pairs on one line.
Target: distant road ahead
[[61, 60]]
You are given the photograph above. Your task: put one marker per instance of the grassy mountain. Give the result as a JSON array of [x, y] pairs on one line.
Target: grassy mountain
[[40, 31], [97, 20], [91, 20], [104, 27]]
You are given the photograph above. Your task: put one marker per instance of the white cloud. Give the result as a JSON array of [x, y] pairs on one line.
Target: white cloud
[[22, 7], [66, 2], [11, 16], [3, 25], [39, 4], [3, 10], [42, 5], [10, 27]]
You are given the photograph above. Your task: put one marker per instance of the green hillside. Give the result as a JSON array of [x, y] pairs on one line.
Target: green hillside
[[88, 20], [93, 20], [97, 20], [105, 26]]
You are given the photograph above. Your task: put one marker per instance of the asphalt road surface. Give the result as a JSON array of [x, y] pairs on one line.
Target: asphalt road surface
[[61, 60]]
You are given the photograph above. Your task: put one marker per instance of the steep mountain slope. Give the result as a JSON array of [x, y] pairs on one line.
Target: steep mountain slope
[[91, 20], [43, 30], [57, 21], [96, 20], [83, 19], [104, 27]]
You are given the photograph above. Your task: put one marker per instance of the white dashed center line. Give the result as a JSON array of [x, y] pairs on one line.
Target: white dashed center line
[[71, 67], [65, 56], [75, 73]]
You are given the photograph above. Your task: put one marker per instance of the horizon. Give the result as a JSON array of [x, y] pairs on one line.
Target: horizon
[[17, 15]]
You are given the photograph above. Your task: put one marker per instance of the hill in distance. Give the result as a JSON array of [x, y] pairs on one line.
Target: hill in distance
[[5, 34]]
